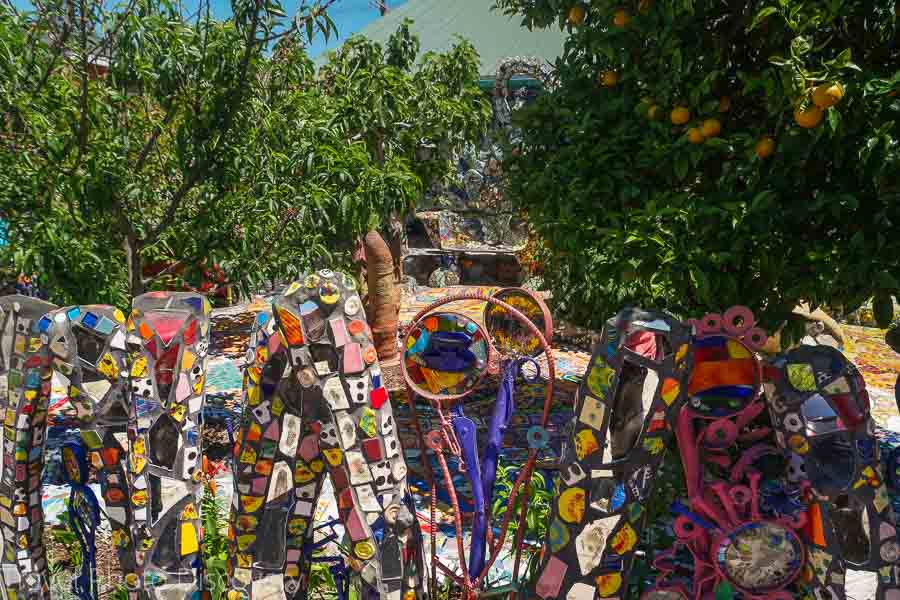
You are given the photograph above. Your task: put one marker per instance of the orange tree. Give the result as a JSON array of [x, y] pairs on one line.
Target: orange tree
[[702, 153]]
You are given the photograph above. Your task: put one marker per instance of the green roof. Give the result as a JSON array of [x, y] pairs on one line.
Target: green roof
[[495, 35]]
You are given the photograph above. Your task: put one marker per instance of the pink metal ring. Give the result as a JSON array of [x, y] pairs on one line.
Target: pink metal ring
[[737, 320]]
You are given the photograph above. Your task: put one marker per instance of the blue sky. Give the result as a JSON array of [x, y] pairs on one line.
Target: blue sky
[[349, 16]]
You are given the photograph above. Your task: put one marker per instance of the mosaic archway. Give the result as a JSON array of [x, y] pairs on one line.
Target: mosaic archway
[[137, 389], [315, 405]]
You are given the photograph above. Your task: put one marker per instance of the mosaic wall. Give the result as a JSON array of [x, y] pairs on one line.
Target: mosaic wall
[[137, 389], [315, 406], [472, 212]]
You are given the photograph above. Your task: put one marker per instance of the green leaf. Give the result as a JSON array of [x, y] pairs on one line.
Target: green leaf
[[834, 120], [681, 166], [887, 282], [761, 16]]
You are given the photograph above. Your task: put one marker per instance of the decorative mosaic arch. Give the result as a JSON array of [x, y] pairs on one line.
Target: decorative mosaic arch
[[508, 68], [314, 405], [137, 386]]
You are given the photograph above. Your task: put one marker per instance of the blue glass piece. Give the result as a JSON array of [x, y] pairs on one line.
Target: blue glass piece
[[32, 380], [192, 436], [378, 529], [262, 318], [421, 343], [194, 302], [105, 326], [618, 497], [716, 341], [44, 324], [376, 381], [471, 327], [73, 313], [143, 406], [90, 320], [612, 563]]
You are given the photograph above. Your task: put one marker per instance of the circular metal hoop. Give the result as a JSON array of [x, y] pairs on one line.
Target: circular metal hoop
[[507, 295], [439, 403]]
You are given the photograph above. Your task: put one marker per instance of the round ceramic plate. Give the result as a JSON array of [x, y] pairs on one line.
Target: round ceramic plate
[[760, 557], [509, 335], [446, 356]]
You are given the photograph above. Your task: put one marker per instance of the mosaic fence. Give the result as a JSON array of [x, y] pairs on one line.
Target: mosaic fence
[[787, 487]]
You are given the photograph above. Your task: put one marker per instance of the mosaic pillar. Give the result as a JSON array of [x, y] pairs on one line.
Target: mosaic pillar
[[820, 410], [168, 339], [314, 403], [639, 369], [24, 394], [89, 362]]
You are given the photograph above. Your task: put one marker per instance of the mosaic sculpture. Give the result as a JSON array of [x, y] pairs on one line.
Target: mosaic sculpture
[[137, 387], [768, 475], [314, 404], [24, 560], [447, 355], [638, 374]]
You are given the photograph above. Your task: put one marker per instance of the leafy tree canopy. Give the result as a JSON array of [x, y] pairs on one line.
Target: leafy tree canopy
[[142, 135], [336, 153], [698, 154]]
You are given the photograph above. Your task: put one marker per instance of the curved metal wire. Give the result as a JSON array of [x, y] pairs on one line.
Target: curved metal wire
[[470, 586]]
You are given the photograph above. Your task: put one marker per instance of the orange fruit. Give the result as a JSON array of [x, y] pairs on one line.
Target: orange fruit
[[653, 112], [724, 104], [680, 115], [765, 147], [711, 128], [695, 135], [621, 18], [827, 94], [609, 78], [577, 14], [808, 118]]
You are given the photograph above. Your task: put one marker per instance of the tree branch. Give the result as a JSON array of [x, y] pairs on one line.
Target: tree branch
[[194, 177], [108, 38], [151, 141], [164, 272], [199, 171], [83, 120]]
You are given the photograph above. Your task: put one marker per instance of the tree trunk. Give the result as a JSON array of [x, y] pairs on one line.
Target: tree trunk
[[135, 267], [396, 241], [383, 306]]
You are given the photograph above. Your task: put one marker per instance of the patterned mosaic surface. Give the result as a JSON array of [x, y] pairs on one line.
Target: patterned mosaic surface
[[872, 357], [315, 405], [140, 380]]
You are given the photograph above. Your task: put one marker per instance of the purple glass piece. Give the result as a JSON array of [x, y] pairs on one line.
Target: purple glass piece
[[468, 443], [500, 419], [449, 352]]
